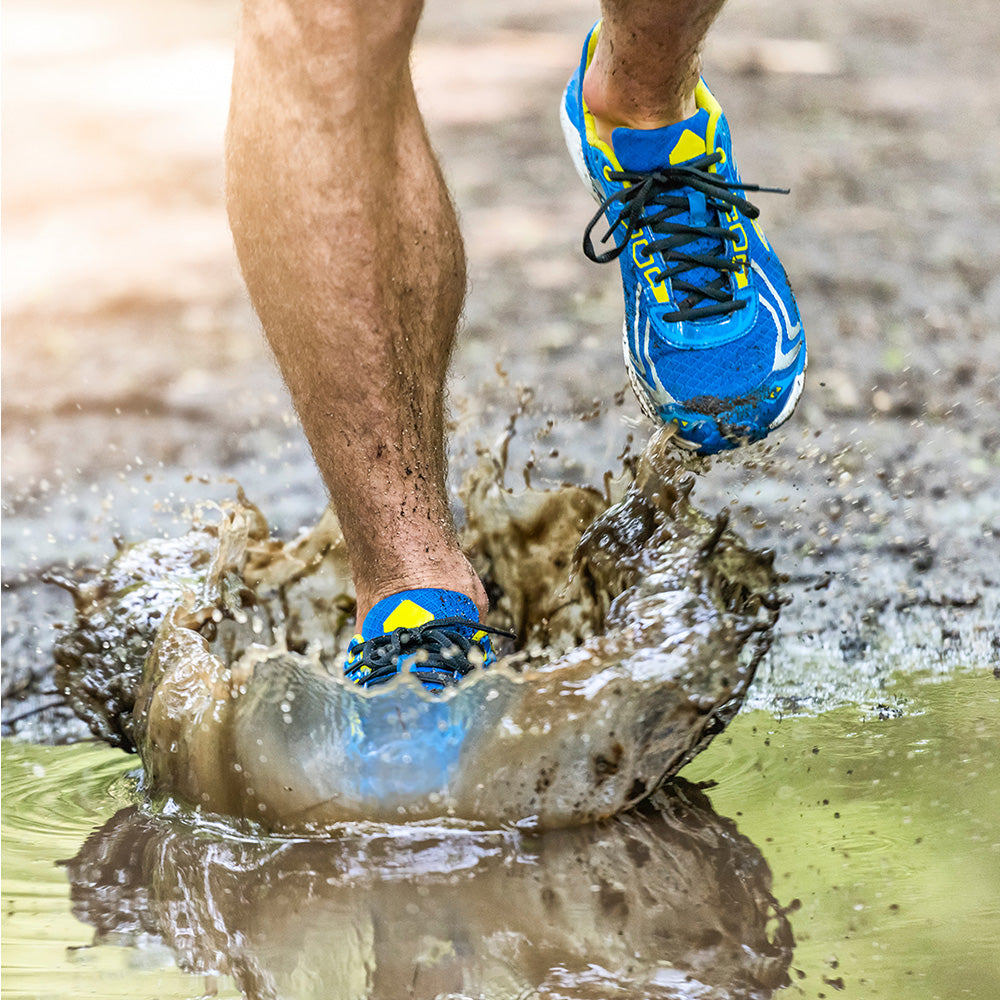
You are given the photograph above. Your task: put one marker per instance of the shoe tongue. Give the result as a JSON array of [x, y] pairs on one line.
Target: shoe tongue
[[411, 608], [641, 150]]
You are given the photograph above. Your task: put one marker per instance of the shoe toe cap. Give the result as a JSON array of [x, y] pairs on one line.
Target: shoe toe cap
[[710, 424]]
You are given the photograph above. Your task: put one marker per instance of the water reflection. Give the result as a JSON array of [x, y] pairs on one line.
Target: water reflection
[[668, 901]]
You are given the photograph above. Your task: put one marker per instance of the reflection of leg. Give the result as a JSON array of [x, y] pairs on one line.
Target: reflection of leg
[[646, 65], [353, 259], [679, 885]]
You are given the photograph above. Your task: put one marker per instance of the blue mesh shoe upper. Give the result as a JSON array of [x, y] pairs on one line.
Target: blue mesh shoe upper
[[432, 633], [712, 337]]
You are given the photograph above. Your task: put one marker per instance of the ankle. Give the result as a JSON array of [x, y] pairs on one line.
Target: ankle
[[609, 115], [616, 102]]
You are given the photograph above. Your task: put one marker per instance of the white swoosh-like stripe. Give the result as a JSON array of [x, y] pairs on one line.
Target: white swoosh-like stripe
[[639, 347], [639, 350], [661, 391], [793, 398], [646, 342], [782, 359], [777, 298], [635, 321]]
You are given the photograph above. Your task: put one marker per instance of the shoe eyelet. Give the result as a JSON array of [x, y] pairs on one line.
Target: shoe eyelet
[[607, 171], [722, 153]]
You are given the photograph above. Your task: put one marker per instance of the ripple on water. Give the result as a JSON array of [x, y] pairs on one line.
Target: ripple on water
[[53, 797], [50, 794]]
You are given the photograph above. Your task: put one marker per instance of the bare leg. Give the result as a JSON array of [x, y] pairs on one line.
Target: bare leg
[[351, 252], [646, 65]]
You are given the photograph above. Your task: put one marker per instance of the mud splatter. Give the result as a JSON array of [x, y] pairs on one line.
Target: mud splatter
[[640, 624]]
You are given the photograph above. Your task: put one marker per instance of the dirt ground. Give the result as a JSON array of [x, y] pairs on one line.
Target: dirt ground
[[136, 384]]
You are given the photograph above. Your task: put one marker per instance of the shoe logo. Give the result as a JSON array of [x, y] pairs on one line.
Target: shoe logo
[[687, 147], [408, 614]]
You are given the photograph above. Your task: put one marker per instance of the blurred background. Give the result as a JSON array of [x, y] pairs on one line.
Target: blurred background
[[137, 388]]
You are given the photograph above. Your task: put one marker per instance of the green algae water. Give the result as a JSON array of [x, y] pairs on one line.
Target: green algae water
[[52, 799], [886, 830], [876, 841]]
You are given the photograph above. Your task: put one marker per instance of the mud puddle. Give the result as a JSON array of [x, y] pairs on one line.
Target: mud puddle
[[872, 844], [829, 798], [846, 852]]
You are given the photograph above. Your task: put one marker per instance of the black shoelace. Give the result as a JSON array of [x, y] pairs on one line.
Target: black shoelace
[[445, 645], [652, 199]]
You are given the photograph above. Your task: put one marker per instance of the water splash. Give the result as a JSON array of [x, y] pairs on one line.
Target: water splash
[[641, 624]]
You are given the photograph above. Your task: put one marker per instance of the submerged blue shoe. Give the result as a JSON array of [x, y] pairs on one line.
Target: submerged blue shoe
[[435, 634], [712, 337]]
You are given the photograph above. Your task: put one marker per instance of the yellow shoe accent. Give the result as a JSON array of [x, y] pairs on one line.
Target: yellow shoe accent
[[589, 123], [688, 146], [705, 99], [409, 614]]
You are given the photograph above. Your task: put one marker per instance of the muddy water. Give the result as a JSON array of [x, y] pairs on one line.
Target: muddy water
[[834, 854], [872, 842], [217, 656]]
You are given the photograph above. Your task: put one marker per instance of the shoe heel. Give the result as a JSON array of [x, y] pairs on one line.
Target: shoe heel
[[574, 143]]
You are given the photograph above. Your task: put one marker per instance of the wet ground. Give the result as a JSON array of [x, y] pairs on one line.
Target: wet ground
[[136, 385]]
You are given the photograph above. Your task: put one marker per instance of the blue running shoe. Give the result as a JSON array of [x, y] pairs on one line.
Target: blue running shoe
[[435, 634], [712, 337]]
